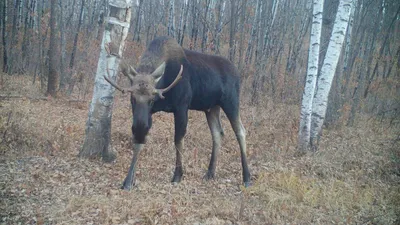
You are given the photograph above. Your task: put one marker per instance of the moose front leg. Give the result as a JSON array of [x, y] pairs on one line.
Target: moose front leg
[[130, 178], [181, 120]]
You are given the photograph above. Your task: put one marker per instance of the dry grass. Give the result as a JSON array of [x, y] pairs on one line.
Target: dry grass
[[353, 179]]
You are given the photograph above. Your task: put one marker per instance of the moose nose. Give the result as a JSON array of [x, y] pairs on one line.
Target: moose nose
[[143, 85], [139, 132]]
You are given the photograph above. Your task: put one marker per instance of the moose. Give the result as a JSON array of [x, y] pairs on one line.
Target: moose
[[173, 79]]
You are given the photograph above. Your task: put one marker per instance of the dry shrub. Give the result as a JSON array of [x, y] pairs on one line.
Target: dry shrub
[[353, 179]]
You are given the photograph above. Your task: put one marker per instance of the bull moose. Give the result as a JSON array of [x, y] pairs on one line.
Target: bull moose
[[173, 79]]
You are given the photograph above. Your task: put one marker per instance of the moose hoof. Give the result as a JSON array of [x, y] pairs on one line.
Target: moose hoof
[[209, 176], [176, 179], [178, 173], [109, 157], [126, 188], [127, 185], [247, 184]]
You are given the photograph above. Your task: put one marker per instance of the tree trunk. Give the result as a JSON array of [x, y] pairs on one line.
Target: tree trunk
[[171, 19], [150, 22], [39, 37], [232, 32], [348, 37], [371, 78], [184, 23], [14, 39], [24, 46], [74, 48], [194, 26], [347, 53], [181, 12], [205, 30], [32, 10], [71, 15], [101, 19], [259, 38], [54, 77], [266, 43], [63, 79], [364, 69], [328, 69], [311, 79], [136, 32], [330, 11], [92, 23], [218, 27], [4, 36], [242, 25], [254, 30], [20, 12], [98, 126]]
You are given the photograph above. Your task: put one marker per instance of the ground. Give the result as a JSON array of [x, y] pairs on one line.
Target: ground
[[352, 179]]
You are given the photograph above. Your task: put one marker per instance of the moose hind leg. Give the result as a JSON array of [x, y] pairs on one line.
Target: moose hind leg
[[232, 112], [214, 123], [240, 133], [181, 119]]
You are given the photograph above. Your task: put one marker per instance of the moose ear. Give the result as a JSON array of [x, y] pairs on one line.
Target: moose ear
[[158, 72]]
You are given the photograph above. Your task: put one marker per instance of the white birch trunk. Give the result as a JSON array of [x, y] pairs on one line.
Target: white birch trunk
[[348, 36], [98, 127], [311, 79], [275, 7], [328, 69]]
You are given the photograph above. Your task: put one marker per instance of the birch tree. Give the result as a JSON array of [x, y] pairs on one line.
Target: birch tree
[[311, 79], [348, 36], [320, 101], [98, 126]]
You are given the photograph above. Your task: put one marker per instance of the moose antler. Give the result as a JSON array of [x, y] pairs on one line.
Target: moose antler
[[123, 90], [160, 92], [108, 47]]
